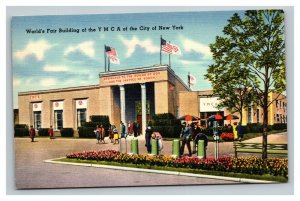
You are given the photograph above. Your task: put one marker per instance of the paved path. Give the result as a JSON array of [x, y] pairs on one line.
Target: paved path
[[32, 172]]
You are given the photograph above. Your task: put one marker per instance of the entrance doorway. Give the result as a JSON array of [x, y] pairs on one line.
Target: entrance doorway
[[139, 119]]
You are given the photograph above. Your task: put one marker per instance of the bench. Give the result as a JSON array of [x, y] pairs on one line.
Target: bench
[[272, 148]]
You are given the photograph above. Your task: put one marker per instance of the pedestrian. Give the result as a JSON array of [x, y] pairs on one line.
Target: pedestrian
[[32, 133], [50, 132], [111, 134], [186, 137], [158, 137], [129, 130], [148, 134], [195, 130], [122, 130], [98, 133], [235, 136], [138, 126], [102, 134], [240, 131], [134, 128], [202, 136], [116, 135]]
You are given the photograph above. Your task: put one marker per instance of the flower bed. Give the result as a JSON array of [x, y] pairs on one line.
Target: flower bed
[[227, 136], [248, 165]]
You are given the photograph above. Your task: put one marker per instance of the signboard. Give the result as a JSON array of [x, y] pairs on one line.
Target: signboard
[[58, 105], [35, 97], [133, 78], [81, 104], [209, 104], [36, 106]]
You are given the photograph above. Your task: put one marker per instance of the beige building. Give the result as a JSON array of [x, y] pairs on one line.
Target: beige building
[[128, 95]]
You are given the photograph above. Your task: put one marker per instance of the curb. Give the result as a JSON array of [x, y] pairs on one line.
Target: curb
[[241, 180]]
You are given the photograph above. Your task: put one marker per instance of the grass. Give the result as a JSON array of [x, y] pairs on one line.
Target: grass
[[186, 170]]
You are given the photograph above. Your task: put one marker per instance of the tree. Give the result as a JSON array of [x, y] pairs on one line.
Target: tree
[[253, 52]]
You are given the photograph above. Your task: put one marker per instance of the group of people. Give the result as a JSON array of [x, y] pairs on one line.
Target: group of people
[[237, 130], [134, 128], [149, 136], [191, 132], [32, 133]]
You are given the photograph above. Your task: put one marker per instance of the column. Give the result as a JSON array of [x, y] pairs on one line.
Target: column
[[144, 112], [122, 104]]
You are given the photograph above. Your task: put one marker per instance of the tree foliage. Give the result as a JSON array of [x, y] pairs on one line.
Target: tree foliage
[[249, 61]]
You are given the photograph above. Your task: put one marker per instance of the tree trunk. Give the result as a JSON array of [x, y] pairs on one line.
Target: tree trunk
[[241, 115], [265, 127]]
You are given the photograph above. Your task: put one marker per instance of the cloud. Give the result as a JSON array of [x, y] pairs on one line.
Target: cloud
[[36, 48], [191, 45], [87, 48], [48, 82], [134, 42], [55, 68], [16, 82]]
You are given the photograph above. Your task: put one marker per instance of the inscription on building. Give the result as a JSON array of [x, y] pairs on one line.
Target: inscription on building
[[133, 78]]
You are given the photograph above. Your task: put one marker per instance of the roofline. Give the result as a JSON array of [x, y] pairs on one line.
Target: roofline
[[157, 67], [59, 90]]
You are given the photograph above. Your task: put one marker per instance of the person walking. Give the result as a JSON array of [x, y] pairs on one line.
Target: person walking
[[134, 128], [98, 133], [148, 139], [116, 135], [186, 136], [240, 131], [32, 133], [102, 134], [50, 132]]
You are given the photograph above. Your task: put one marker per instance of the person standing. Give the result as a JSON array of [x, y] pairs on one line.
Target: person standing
[[240, 131], [129, 130], [235, 136], [122, 130], [98, 133], [138, 126], [134, 128], [148, 139], [102, 134], [201, 136], [111, 134], [32, 133], [186, 136], [50, 132]]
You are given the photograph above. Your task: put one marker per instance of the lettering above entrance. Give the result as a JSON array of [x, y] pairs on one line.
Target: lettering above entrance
[[134, 78]]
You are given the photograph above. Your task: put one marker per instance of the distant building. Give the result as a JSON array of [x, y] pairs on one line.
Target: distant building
[[129, 95]]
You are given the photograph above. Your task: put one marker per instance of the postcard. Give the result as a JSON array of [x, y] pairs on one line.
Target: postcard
[[149, 99]]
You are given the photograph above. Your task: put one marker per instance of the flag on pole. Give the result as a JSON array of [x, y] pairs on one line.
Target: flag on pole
[[112, 55], [192, 80], [169, 48]]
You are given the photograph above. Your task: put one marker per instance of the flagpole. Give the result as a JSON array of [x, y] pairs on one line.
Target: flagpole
[[108, 60], [189, 82], [169, 57], [104, 59], [160, 49]]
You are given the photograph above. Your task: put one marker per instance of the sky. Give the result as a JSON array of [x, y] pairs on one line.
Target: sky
[[53, 59]]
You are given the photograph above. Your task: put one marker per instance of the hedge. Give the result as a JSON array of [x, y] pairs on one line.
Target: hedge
[[67, 132], [166, 124], [21, 130], [279, 126], [43, 132], [86, 132]]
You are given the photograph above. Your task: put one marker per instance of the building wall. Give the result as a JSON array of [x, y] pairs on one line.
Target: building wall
[[161, 97], [188, 103], [68, 96]]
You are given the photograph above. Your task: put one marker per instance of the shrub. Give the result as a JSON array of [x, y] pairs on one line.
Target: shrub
[[86, 132], [43, 132], [279, 126], [21, 130], [67, 132], [166, 124]]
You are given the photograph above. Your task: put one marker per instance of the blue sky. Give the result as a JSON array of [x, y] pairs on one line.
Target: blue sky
[[56, 60]]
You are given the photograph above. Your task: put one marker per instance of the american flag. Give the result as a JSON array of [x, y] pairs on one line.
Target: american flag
[[112, 55], [169, 48]]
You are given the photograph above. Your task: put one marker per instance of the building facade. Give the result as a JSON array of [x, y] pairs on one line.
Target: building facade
[[130, 95]]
